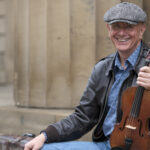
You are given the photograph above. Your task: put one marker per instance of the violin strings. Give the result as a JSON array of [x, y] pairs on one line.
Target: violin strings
[[136, 104], [134, 112]]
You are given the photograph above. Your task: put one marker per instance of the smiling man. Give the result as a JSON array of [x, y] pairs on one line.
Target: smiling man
[[126, 37], [100, 105]]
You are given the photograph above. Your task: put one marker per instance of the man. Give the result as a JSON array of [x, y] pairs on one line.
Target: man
[[100, 104]]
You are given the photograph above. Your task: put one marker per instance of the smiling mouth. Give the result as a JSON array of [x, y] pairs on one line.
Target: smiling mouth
[[122, 40]]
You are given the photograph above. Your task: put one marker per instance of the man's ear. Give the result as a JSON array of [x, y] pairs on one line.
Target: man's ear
[[142, 30], [108, 27]]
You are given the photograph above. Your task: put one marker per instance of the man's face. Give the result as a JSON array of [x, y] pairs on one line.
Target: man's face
[[126, 37]]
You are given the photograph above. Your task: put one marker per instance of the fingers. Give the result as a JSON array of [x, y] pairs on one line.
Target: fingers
[[32, 146], [145, 69], [144, 77], [29, 146], [36, 143]]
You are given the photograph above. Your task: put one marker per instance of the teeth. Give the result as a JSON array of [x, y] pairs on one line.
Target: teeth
[[122, 40]]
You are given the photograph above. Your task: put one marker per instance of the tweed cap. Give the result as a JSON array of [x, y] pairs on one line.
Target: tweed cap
[[125, 12]]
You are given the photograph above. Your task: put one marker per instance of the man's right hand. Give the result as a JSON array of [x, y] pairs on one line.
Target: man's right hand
[[36, 143]]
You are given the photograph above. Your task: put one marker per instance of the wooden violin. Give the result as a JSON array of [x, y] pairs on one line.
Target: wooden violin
[[133, 132]]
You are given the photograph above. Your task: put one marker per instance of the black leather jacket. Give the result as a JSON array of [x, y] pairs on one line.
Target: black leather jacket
[[92, 108]]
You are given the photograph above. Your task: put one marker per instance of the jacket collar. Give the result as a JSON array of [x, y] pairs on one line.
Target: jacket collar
[[139, 63], [110, 64], [142, 57]]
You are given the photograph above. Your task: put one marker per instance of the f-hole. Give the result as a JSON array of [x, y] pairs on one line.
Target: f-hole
[[148, 124]]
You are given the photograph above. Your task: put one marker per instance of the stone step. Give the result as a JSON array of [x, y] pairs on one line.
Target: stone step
[[16, 120]]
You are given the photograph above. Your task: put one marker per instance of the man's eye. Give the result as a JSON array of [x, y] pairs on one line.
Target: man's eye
[[130, 26], [116, 27]]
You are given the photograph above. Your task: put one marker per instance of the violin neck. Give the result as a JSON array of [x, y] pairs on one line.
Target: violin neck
[[139, 94], [137, 102]]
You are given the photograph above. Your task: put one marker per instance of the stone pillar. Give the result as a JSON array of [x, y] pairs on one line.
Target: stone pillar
[[21, 75], [83, 22], [37, 52], [3, 42], [58, 54], [55, 51], [11, 22]]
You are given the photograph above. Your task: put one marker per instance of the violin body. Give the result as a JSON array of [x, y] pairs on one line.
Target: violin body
[[135, 128]]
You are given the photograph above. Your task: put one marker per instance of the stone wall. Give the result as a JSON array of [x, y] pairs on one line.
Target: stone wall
[[47, 51], [3, 39], [56, 45]]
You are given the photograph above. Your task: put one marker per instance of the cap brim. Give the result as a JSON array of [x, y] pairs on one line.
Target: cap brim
[[120, 20]]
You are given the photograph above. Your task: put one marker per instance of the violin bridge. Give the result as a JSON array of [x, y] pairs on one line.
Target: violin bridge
[[130, 127]]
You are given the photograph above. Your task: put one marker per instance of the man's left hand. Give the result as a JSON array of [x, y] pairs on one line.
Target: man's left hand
[[144, 77]]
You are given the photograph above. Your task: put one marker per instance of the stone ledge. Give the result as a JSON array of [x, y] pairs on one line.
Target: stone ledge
[[18, 121]]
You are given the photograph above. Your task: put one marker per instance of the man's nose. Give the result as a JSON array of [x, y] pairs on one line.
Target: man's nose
[[122, 31]]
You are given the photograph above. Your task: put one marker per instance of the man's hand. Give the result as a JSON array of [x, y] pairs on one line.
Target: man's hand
[[144, 77], [36, 143]]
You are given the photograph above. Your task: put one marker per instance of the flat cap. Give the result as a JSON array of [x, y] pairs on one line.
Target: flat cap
[[125, 12]]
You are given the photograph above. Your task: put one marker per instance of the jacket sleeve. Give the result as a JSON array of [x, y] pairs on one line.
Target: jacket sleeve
[[81, 120]]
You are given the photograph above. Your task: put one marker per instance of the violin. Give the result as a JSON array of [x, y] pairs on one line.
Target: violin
[[133, 132]]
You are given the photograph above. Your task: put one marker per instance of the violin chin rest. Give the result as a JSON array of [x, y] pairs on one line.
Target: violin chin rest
[[116, 148]]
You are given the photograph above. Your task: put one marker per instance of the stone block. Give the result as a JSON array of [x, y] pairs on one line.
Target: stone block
[[19, 121], [2, 7]]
